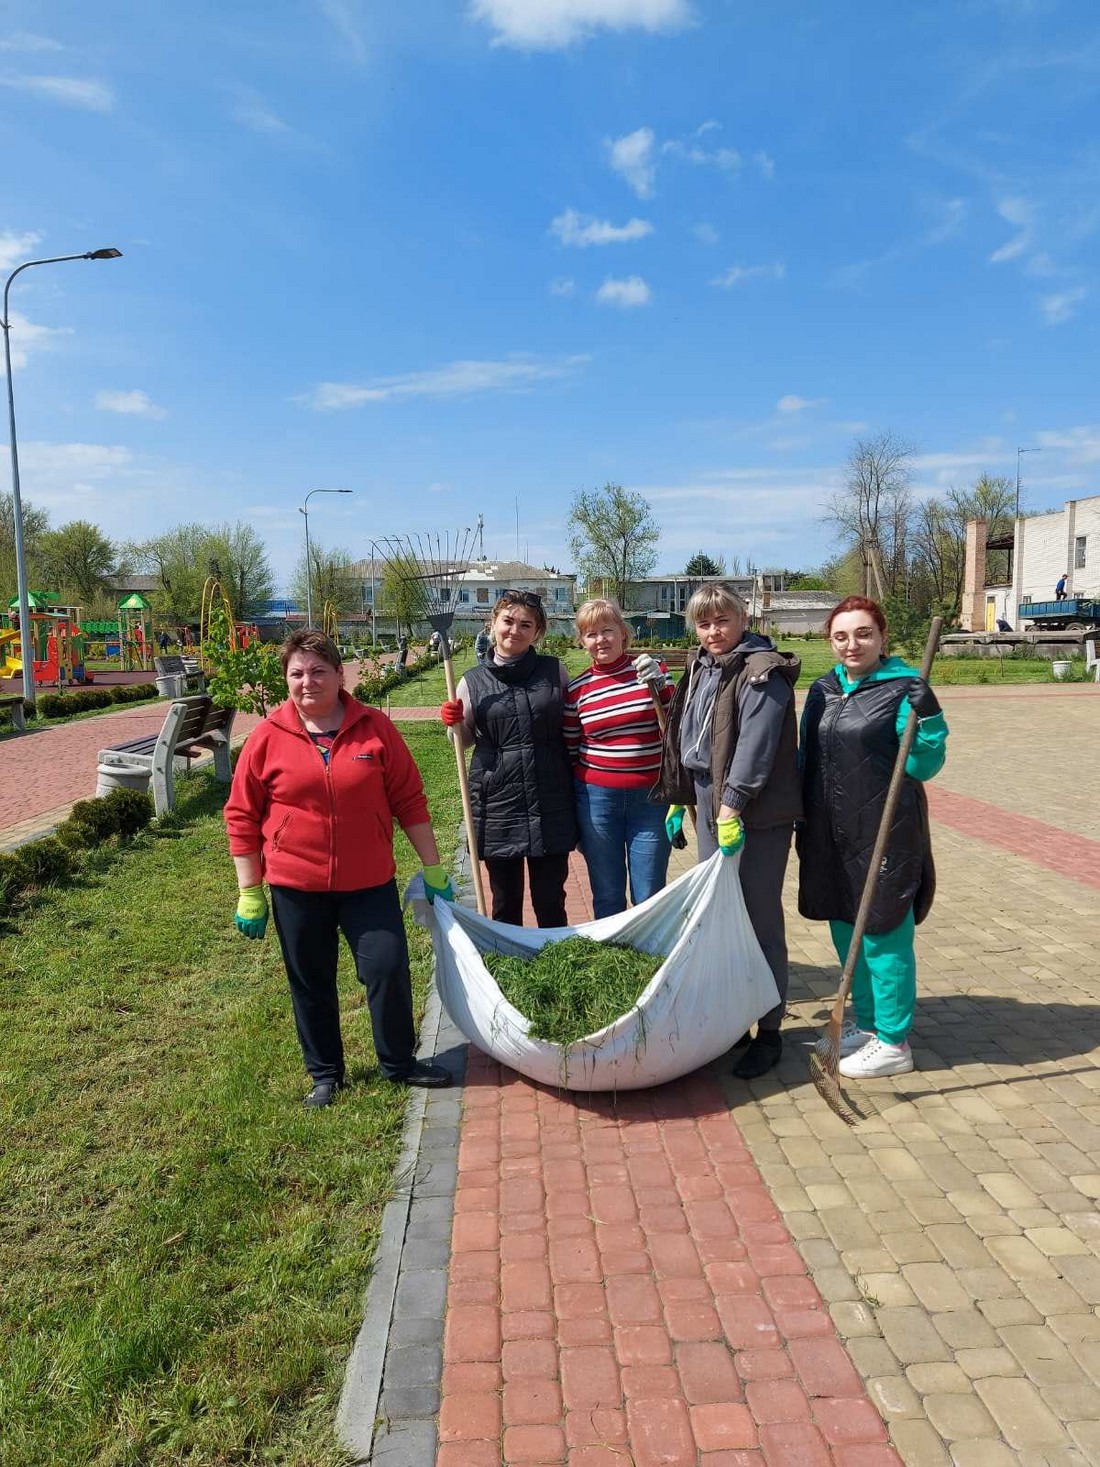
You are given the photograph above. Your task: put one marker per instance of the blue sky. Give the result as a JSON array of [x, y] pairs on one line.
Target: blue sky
[[452, 255]]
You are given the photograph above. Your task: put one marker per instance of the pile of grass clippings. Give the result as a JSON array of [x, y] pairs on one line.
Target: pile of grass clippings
[[574, 988]]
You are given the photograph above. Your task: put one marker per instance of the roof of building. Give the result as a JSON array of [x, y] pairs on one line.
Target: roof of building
[[483, 570]]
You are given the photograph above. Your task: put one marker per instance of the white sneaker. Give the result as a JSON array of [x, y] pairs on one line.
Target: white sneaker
[[875, 1058], [853, 1038]]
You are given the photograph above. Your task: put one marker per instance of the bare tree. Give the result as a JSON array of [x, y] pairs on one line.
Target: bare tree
[[939, 537], [873, 510]]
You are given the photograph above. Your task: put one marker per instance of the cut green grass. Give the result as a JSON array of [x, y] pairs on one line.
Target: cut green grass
[[184, 1247], [573, 988]]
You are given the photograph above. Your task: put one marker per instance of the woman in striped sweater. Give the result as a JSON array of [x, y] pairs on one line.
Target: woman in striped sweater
[[614, 740]]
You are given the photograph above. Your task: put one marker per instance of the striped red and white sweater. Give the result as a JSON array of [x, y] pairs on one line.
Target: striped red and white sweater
[[611, 729]]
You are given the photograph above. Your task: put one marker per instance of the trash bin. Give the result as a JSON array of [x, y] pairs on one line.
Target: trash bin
[[117, 777], [172, 685], [1060, 669]]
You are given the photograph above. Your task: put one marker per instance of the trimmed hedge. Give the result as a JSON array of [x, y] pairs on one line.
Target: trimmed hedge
[[83, 700], [90, 825], [374, 688]]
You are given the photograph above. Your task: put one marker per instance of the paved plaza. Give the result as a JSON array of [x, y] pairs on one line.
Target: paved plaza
[[721, 1274]]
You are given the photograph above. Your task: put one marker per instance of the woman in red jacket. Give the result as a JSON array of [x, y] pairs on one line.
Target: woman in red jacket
[[315, 793]]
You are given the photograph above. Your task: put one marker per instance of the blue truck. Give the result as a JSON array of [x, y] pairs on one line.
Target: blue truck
[[1071, 615]]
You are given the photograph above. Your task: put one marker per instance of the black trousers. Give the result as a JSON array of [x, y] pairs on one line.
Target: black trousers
[[762, 869], [309, 924], [547, 876]]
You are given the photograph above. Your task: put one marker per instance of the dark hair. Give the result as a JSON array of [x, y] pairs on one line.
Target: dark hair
[[857, 603], [310, 640], [529, 600]]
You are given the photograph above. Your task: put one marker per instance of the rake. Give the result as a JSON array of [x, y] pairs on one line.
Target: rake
[[825, 1057], [432, 567]]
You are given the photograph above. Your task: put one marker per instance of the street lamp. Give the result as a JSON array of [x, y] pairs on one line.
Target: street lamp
[[303, 509], [26, 643], [1019, 452]]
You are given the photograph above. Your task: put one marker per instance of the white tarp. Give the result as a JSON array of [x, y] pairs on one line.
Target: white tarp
[[714, 984]]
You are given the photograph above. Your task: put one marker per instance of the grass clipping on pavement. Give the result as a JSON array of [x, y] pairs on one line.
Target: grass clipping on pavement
[[574, 988]]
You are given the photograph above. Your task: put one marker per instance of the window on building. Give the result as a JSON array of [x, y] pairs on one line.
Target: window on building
[[1079, 552], [483, 594], [464, 597], [561, 593]]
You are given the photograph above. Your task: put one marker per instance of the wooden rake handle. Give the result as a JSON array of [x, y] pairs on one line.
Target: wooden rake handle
[[662, 723], [464, 783], [893, 794]]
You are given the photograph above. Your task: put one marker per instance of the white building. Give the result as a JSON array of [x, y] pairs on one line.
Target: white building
[[1045, 547], [480, 584]]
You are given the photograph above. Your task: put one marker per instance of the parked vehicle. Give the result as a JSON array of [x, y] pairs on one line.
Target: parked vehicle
[[1071, 615]]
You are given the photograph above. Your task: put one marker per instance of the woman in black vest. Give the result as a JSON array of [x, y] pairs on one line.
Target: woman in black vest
[[521, 782]]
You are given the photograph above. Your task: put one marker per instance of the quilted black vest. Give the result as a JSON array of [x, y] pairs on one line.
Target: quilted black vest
[[521, 780], [849, 746]]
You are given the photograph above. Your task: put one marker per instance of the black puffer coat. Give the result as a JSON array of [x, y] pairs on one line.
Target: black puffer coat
[[521, 780], [849, 745]]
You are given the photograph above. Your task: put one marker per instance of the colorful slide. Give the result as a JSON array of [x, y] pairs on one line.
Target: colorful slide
[[11, 663]]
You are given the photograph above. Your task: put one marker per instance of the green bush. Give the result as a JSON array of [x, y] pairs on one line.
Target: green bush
[[9, 714], [84, 700], [121, 813], [43, 862]]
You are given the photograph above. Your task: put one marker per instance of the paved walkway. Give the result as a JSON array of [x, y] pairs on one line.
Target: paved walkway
[[725, 1275]]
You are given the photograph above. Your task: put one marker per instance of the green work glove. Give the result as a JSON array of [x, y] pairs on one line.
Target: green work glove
[[674, 821], [437, 884], [731, 835], [251, 918]]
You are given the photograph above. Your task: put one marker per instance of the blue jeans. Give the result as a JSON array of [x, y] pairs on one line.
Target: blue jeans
[[621, 832]]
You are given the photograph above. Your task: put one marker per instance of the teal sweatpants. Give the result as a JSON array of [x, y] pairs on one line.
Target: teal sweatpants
[[884, 984]]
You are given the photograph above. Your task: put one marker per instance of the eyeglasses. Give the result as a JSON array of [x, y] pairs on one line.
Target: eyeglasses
[[861, 634], [522, 598]]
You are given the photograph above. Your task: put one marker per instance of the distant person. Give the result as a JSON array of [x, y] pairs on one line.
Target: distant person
[[163, 641], [482, 643], [402, 655], [1002, 625], [1060, 588]]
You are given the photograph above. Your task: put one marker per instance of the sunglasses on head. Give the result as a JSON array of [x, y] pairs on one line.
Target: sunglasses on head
[[522, 598]]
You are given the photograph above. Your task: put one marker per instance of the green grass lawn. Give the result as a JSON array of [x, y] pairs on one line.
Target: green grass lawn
[[184, 1247]]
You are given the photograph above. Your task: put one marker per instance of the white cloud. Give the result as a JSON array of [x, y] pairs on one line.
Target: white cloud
[[346, 20], [632, 157], [1061, 306], [562, 286], [14, 248], [456, 379], [545, 25], [86, 460], [1081, 445], [582, 230], [1021, 214], [706, 233], [729, 160], [69, 91], [257, 117], [739, 274], [793, 404], [765, 163], [135, 403], [633, 291], [26, 337], [26, 41]]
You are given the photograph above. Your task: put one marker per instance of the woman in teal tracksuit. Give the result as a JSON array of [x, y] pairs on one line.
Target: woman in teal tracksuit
[[851, 729]]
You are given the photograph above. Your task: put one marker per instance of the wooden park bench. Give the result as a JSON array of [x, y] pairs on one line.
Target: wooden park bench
[[177, 676], [13, 704], [191, 726], [674, 658]]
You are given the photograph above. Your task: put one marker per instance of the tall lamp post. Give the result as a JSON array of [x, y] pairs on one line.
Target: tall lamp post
[[303, 509], [26, 642], [1019, 453]]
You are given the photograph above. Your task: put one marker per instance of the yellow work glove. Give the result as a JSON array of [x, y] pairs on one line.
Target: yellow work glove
[[251, 918], [731, 835]]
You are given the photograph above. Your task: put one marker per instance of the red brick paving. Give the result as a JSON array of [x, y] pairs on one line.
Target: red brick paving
[[623, 1289], [1075, 856]]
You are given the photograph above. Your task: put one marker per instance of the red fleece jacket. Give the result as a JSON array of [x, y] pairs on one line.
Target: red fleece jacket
[[324, 827]]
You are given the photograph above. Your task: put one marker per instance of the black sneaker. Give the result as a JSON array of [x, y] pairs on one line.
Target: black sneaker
[[426, 1076], [761, 1056], [324, 1092]]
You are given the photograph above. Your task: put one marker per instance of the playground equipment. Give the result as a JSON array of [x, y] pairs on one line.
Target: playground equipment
[[58, 640], [330, 622], [135, 632], [10, 662]]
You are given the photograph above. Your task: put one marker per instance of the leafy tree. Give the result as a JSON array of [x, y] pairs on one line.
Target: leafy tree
[[178, 559], [251, 678], [873, 510], [701, 564], [808, 581], [613, 538], [403, 592], [78, 559], [332, 578], [36, 525], [243, 567], [939, 538]]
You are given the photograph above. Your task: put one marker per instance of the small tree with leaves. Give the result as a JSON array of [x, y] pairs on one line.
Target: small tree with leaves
[[701, 564], [613, 538], [250, 679]]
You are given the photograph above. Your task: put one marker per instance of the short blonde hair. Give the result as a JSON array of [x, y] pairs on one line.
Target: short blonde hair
[[716, 596], [600, 609]]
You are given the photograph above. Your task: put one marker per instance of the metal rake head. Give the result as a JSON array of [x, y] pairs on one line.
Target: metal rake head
[[434, 563], [824, 1060]]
